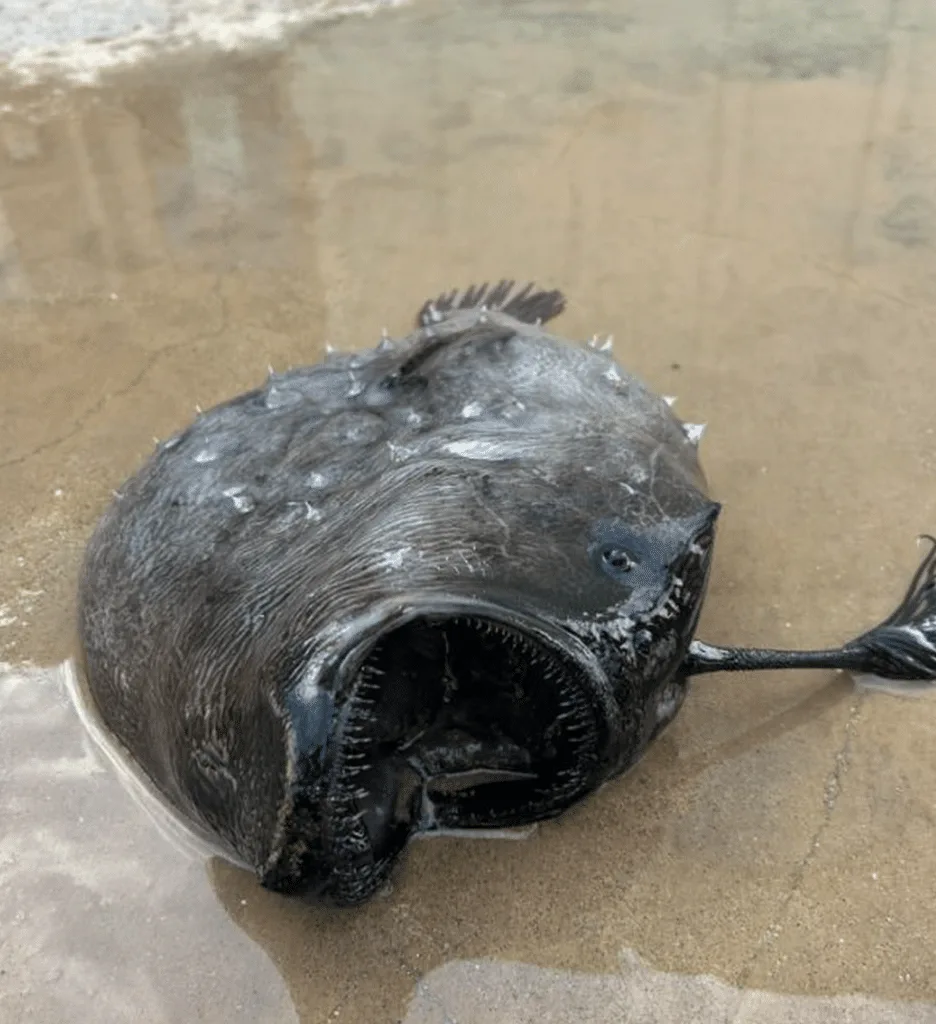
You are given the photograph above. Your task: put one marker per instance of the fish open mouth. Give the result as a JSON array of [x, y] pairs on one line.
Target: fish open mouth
[[457, 722]]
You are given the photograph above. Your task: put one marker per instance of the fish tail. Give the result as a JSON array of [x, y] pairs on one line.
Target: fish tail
[[528, 303], [903, 646]]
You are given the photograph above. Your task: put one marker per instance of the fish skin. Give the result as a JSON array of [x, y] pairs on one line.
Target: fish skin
[[478, 459]]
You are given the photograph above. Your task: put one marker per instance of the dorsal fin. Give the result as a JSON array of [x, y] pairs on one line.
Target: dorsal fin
[[527, 303]]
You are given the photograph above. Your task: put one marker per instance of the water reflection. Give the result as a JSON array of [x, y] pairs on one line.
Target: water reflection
[[103, 919], [471, 993], [202, 174]]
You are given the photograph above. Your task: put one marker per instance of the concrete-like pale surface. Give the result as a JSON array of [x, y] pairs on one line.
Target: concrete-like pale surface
[[745, 196]]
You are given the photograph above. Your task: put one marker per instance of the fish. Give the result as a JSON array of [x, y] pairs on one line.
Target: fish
[[450, 582]]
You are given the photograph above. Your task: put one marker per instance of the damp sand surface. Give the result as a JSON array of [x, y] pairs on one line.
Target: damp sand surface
[[747, 202]]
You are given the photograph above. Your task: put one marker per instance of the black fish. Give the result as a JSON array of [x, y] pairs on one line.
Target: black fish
[[451, 582]]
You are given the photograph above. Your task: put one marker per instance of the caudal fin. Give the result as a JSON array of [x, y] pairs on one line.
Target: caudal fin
[[903, 646], [527, 304]]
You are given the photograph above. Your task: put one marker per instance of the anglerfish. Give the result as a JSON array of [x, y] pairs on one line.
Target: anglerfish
[[451, 582]]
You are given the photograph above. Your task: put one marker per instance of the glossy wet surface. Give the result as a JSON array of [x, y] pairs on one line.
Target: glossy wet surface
[[746, 199]]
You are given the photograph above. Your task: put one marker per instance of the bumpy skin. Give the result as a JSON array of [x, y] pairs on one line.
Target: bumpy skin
[[480, 459]]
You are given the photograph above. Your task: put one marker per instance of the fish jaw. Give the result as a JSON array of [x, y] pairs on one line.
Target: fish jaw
[[442, 714]]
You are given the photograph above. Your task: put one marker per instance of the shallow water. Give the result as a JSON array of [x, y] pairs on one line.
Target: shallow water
[[746, 199]]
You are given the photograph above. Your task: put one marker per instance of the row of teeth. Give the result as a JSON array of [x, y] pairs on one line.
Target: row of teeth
[[356, 759], [351, 837], [358, 881]]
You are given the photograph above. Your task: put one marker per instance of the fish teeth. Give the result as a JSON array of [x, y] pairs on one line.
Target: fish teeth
[[694, 431], [354, 844]]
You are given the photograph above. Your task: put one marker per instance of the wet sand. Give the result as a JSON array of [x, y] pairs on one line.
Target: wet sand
[[747, 201]]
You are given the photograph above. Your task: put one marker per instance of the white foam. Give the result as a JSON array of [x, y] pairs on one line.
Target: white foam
[[80, 39]]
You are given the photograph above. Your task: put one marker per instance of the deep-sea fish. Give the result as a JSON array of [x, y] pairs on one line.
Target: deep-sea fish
[[451, 582]]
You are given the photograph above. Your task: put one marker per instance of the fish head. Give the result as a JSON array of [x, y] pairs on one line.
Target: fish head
[[519, 646], [659, 567]]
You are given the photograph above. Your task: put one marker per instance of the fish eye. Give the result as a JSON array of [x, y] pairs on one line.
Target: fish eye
[[617, 559]]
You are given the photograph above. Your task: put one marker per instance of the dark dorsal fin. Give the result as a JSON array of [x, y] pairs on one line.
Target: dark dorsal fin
[[527, 304]]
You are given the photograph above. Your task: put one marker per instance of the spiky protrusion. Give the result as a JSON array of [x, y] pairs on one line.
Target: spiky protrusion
[[597, 345], [694, 431]]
